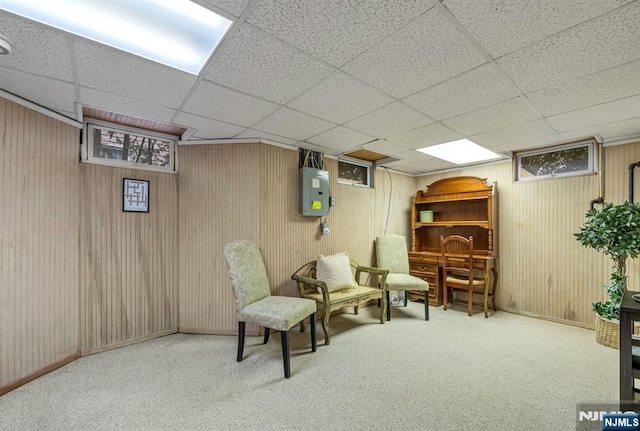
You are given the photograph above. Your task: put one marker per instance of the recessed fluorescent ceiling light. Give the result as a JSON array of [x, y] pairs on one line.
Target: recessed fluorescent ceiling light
[[176, 33], [460, 152]]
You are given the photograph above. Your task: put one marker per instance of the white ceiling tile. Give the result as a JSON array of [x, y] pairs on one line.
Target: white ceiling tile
[[432, 164], [318, 148], [54, 94], [504, 26], [257, 64], [596, 45], [429, 51], [609, 132], [293, 124], [411, 156], [340, 98], [335, 31], [124, 105], [233, 7], [340, 138], [599, 114], [390, 120], [118, 72], [385, 147], [36, 48], [606, 86], [206, 127], [480, 87], [532, 144], [501, 115], [252, 133], [226, 105], [514, 135], [425, 136]]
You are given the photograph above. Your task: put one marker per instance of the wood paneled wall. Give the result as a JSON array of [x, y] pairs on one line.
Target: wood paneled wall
[[250, 191], [394, 194], [38, 242], [219, 187], [128, 260], [543, 270]]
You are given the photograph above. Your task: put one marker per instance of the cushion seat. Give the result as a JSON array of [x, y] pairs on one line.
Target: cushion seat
[[277, 312], [400, 281]]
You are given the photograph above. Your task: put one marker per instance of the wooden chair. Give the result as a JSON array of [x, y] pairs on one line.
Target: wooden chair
[[391, 254], [459, 272], [254, 303]]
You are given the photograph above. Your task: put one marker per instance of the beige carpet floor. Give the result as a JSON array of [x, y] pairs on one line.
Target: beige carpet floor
[[455, 372]]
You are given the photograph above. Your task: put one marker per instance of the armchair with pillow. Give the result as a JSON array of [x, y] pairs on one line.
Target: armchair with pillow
[[335, 282]]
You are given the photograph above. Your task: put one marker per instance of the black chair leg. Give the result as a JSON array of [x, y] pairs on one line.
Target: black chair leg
[[406, 298], [426, 305], [267, 331], [240, 340], [312, 324], [388, 307], [284, 335]]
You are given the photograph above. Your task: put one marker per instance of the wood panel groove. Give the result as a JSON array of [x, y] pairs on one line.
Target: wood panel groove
[[38, 242]]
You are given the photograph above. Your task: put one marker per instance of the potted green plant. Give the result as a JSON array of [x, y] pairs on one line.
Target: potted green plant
[[615, 231]]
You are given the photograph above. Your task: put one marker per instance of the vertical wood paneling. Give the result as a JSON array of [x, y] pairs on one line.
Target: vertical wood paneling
[[219, 187], [543, 270], [393, 197], [38, 242], [289, 240], [250, 191], [129, 265]]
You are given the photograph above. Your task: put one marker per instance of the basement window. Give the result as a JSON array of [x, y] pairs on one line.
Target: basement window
[[561, 161], [354, 172], [128, 147]]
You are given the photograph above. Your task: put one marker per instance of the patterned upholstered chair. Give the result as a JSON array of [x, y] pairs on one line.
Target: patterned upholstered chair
[[254, 303], [391, 254]]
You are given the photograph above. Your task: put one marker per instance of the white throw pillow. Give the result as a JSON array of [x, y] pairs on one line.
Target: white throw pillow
[[335, 270]]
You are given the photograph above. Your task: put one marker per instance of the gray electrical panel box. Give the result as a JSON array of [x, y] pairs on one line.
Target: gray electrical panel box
[[314, 192]]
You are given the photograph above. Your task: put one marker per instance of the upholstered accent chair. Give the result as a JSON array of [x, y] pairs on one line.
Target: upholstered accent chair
[[255, 304], [391, 254]]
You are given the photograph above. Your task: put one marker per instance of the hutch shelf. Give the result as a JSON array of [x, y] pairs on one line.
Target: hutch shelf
[[464, 206]]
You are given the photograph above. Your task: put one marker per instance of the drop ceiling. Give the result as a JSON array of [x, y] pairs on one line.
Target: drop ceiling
[[387, 76]]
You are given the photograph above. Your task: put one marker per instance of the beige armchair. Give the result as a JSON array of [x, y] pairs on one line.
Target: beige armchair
[[391, 254], [254, 303]]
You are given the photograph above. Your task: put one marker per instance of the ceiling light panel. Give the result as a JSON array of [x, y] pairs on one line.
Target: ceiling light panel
[[177, 33], [460, 152]]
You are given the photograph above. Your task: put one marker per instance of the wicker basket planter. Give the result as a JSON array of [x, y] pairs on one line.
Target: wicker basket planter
[[608, 332]]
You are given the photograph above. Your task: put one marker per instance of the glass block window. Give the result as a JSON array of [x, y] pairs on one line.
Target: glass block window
[[560, 161]]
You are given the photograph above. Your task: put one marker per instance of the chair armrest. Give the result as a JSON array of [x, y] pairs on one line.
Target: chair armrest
[[301, 280], [382, 273]]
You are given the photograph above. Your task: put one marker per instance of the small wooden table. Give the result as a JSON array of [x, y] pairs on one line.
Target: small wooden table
[[629, 314]]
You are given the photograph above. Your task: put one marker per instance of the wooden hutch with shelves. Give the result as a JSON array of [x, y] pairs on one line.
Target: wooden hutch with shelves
[[464, 206]]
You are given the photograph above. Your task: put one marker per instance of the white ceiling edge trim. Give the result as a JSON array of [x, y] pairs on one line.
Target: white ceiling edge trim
[[247, 141], [221, 141], [459, 168], [622, 140], [40, 109], [396, 172]]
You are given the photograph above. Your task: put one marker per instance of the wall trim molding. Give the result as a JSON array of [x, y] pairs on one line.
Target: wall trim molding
[[40, 109], [41, 372]]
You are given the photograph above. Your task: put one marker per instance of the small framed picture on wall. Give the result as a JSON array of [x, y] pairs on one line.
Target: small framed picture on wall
[[135, 195]]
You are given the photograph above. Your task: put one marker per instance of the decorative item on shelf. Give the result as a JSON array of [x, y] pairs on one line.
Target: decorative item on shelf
[[426, 216], [615, 231]]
